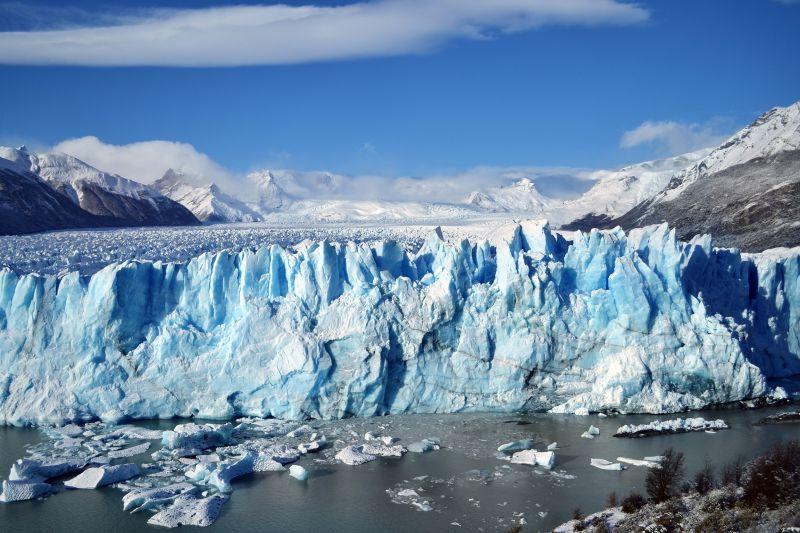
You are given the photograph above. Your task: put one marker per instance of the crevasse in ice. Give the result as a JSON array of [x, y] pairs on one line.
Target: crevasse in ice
[[640, 322]]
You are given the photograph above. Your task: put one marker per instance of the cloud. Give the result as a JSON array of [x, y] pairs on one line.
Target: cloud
[[281, 34], [673, 137], [147, 161]]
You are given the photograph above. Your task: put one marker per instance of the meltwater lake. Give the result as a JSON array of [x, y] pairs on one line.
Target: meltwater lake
[[464, 486]]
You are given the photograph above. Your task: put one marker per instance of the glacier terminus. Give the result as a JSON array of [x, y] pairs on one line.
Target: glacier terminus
[[636, 322]]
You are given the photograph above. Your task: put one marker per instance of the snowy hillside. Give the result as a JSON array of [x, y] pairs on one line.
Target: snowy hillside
[[774, 132], [635, 322], [746, 192], [117, 201], [521, 196], [207, 202], [617, 191]]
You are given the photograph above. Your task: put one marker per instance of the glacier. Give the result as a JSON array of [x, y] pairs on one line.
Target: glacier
[[638, 322]]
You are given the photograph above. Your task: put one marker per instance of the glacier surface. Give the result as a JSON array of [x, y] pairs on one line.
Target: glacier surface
[[639, 322]]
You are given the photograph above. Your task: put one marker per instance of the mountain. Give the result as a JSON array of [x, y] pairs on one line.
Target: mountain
[[271, 196], [638, 322], [112, 199], [521, 196], [28, 204], [617, 191], [746, 192], [206, 202]]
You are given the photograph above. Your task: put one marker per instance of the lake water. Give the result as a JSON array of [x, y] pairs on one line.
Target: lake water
[[468, 488]]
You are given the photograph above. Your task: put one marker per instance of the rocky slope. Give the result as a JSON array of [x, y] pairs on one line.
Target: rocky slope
[[105, 200], [745, 192]]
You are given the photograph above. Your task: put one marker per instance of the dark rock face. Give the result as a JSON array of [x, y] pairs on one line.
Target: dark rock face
[[28, 204], [753, 206], [154, 211]]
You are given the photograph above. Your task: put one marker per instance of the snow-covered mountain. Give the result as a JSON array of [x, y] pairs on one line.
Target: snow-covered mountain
[[617, 191], [207, 202], [746, 192], [28, 203], [117, 201], [521, 196], [271, 196]]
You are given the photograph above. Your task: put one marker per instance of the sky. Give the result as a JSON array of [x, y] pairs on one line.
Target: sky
[[394, 87]]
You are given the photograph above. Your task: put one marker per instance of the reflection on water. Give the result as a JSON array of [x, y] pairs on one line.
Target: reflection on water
[[464, 484]]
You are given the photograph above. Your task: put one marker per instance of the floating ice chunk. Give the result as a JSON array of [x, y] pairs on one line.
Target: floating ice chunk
[[188, 510], [654, 458], [70, 430], [677, 425], [39, 470], [149, 499], [425, 445], [532, 457], [590, 433], [265, 463], [354, 456], [221, 474], [382, 450], [581, 411], [129, 452], [313, 446], [133, 432], [422, 506], [605, 465], [516, 446], [387, 440], [302, 431], [408, 493], [208, 458], [369, 435], [100, 476], [298, 472], [552, 446], [200, 436], [21, 490], [637, 462]]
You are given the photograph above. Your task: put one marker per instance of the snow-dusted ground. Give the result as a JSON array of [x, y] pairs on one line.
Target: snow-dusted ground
[[87, 251]]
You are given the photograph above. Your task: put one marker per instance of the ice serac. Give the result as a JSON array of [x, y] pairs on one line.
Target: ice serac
[[637, 322]]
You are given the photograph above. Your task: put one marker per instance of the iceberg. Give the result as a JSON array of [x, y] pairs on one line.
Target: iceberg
[[100, 476], [604, 464], [532, 457], [636, 322], [354, 456], [298, 472], [21, 490], [189, 510], [677, 425]]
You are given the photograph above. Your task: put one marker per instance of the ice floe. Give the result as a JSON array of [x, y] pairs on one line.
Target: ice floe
[[604, 464], [100, 476], [677, 425], [532, 457]]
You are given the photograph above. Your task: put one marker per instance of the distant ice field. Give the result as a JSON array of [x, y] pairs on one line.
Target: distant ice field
[[87, 251]]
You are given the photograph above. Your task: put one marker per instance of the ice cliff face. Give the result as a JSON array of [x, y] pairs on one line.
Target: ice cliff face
[[639, 322]]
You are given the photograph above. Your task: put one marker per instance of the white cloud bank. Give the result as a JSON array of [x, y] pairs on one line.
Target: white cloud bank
[[146, 161], [280, 34], [672, 137]]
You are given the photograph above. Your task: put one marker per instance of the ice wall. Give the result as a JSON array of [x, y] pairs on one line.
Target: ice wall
[[639, 322]]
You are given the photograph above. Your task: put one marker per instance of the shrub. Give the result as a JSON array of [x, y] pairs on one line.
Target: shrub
[[704, 479], [733, 472], [773, 479], [611, 501], [633, 502], [663, 483]]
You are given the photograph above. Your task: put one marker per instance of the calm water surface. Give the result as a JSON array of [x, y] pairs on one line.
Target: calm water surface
[[465, 484]]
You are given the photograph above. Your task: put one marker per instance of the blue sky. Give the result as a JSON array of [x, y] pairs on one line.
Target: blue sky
[[558, 90]]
